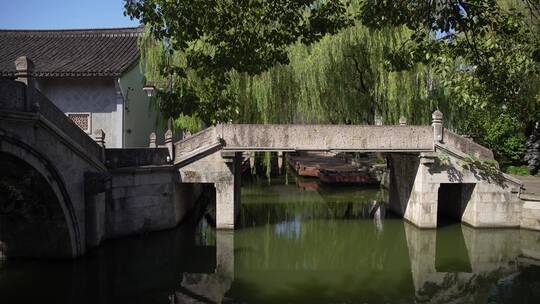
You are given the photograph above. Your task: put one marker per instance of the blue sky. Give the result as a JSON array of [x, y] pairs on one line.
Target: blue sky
[[63, 14]]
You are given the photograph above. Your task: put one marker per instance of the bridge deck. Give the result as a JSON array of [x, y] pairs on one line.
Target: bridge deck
[[268, 137], [273, 137]]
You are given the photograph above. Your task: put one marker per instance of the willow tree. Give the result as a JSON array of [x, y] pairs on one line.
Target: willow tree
[[206, 40], [344, 78], [487, 53]]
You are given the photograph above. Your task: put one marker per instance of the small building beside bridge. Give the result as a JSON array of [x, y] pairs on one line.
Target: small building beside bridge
[[91, 75]]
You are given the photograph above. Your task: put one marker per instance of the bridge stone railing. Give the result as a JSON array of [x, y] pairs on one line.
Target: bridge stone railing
[[339, 138], [267, 137], [466, 145], [54, 115], [22, 97], [12, 95], [137, 157], [198, 142]]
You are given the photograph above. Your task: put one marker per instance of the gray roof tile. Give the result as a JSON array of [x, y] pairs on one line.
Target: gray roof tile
[[60, 53]]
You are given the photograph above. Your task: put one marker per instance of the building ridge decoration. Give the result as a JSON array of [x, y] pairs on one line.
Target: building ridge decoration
[[59, 53], [89, 32]]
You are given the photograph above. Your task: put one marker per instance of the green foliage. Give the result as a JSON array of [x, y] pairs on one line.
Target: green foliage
[[487, 52], [498, 131], [485, 168], [306, 62], [341, 79], [203, 41], [521, 170], [190, 123]]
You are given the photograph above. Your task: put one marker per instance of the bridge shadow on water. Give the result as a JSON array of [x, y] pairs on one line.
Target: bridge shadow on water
[[294, 246]]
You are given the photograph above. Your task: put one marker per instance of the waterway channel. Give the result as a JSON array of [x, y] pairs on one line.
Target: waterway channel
[[298, 242]]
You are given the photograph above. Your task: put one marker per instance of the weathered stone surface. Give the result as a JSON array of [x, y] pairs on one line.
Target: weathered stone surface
[[415, 192], [145, 200], [136, 157], [224, 173], [91, 207], [58, 157], [147, 192], [466, 145], [530, 215], [326, 137]]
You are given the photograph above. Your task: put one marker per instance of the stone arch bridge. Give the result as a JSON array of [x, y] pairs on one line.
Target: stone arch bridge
[[62, 192], [40, 148]]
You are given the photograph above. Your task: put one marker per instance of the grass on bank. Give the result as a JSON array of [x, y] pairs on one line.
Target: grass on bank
[[518, 170]]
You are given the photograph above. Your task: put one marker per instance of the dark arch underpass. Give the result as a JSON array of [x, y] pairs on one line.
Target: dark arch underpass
[[32, 222]]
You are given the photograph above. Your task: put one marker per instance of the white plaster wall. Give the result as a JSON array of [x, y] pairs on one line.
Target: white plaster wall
[[140, 115], [89, 94]]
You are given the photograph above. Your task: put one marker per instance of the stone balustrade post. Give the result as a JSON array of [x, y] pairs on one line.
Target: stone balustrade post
[[402, 121], [153, 138], [437, 123], [99, 137], [169, 143], [378, 120], [24, 71], [252, 161], [280, 161]]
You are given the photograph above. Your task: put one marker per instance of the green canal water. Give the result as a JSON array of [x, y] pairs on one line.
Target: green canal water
[[298, 242]]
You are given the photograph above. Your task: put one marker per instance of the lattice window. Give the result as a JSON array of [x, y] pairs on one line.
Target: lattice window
[[83, 120]]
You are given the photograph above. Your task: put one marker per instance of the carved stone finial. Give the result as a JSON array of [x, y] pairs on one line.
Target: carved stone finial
[[378, 120], [153, 139], [402, 121], [168, 135], [437, 123], [437, 116], [25, 71], [99, 137], [24, 64], [169, 143]]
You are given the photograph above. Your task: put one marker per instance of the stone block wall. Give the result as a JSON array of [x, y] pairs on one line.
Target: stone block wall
[[222, 170], [412, 194], [136, 157], [403, 169], [491, 205], [415, 180], [144, 200], [530, 215]]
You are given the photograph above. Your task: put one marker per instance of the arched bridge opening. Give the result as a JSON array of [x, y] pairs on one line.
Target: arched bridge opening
[[32, 222]]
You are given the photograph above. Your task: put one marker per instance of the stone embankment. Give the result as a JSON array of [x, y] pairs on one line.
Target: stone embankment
[[530, 196]]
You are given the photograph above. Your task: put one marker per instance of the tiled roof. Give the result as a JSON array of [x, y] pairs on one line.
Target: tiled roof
[[59, 53]]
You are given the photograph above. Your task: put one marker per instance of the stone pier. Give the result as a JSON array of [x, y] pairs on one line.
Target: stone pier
[[222, 169], [425, 187]]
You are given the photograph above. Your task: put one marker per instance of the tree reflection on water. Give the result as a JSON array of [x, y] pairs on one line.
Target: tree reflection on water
[[294, 246]]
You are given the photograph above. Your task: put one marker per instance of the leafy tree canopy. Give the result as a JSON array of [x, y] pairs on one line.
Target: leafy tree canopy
[[229, 60], [216, 37], [487, 51]]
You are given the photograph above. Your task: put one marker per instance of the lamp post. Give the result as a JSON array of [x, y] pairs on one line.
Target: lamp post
[[150, 89], [150, 86]]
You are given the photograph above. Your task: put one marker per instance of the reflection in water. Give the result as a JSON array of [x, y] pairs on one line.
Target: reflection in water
[[295, 246]]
